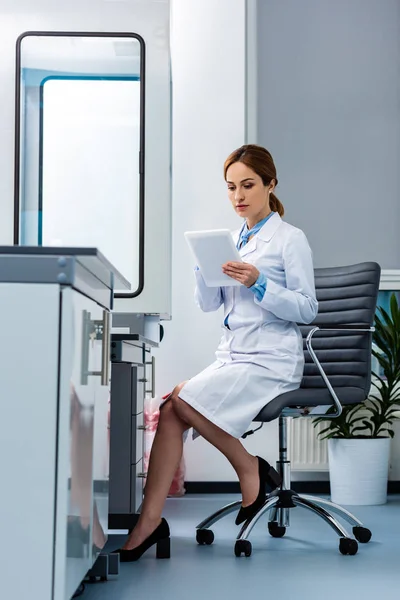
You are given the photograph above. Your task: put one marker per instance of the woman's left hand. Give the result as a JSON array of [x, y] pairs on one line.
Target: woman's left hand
[[244, 272]]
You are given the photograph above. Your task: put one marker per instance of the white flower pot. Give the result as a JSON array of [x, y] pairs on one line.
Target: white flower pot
[[358, 470]]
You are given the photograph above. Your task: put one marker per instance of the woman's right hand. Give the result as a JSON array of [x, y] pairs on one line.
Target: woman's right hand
[[245, 273]]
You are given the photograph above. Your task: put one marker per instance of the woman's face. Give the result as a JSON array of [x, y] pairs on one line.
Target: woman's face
[[248, 194]]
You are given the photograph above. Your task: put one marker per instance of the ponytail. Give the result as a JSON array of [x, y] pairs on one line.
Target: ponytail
[[276, 205]]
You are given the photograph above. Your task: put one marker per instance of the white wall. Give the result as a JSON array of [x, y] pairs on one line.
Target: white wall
[[209, 121]]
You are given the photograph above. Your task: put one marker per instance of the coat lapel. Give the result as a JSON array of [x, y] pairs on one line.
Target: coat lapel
[[269, 229], [249, 247], [266, 233]]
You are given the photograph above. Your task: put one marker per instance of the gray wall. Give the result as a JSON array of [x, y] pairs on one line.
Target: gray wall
[[329, 112]]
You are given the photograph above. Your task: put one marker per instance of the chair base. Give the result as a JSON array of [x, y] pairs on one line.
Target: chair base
[[278, 504]]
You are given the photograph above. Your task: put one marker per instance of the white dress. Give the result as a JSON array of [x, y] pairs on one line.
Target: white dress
[[260, 355]]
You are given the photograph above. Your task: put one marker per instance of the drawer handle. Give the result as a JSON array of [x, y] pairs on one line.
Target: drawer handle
[[153, 376], [143, 380], [142, 427], [141, 475]]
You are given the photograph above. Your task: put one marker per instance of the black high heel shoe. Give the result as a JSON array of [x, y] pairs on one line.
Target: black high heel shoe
[[268, 476], [160, 536]]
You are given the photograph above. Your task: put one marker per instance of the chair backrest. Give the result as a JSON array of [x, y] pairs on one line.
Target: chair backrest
[[346, 296]]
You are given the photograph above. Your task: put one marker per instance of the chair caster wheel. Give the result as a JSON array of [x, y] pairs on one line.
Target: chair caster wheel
[[275, 530], [348, 546], [242, 547], [362, 534], [204, 537]]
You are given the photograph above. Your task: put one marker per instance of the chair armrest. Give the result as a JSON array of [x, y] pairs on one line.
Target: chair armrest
[[344, 328], [358, 328]]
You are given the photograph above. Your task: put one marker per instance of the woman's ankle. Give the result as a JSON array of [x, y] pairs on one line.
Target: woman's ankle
[[248, 468], [249, 482], [148, 521]]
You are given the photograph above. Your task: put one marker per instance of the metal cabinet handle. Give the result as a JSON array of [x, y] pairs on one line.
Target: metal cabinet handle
[[99, 330], [142, 427], [141, 475], [87, 325], [105, 349], [153, 376]]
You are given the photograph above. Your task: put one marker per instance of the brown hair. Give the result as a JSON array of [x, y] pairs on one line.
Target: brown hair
[[259, 160]]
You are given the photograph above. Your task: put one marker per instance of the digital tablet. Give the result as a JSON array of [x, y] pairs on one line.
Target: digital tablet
[[211, 249]]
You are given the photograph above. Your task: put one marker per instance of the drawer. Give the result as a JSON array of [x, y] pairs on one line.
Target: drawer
[[137, 437], [138, 389], [137, 484], [127, 352]]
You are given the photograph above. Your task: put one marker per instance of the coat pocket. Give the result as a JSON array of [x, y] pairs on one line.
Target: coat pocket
[[284, 344]]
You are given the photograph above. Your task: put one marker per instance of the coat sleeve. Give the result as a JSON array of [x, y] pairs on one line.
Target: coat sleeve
[[206, 298], [297, 301]]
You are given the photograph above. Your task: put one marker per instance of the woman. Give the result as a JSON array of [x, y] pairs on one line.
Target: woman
[[260, 355]]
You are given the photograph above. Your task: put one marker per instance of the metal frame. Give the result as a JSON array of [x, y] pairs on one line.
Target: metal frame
[[322, 410], [319, 506], [273, 502], [141, 166]]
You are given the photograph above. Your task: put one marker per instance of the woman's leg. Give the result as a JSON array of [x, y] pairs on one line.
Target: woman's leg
[[175, 417], [165, 457], [245, 464]]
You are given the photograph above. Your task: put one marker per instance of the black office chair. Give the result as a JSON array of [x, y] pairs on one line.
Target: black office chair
[[338, 365]]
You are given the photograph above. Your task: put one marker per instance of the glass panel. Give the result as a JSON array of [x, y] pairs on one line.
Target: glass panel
[[81, 146]]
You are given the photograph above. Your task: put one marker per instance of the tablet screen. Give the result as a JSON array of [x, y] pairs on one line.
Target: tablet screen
[[211, 249]]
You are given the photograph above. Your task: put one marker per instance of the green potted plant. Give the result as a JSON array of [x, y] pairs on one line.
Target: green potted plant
[[359, 440]]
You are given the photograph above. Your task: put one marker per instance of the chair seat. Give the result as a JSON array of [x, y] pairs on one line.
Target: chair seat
[[308, 397]]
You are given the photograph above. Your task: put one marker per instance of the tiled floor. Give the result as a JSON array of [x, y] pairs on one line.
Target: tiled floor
[[306, 563]]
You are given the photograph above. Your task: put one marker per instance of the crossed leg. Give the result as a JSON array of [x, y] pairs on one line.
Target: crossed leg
[[176, 416]]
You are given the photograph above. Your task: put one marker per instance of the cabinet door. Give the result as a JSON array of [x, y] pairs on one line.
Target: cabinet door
[[75, 444]]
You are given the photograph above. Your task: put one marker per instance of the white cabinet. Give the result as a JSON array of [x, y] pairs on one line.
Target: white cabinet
[[54, 449]]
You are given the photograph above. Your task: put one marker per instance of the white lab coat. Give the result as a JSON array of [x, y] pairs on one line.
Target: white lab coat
[[261, 355]]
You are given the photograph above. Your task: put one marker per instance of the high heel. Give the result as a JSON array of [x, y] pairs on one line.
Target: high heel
[[163, 549], [268, 476], [160, 536]]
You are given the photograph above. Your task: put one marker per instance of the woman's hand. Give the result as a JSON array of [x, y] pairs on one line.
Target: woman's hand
[[244, 272]]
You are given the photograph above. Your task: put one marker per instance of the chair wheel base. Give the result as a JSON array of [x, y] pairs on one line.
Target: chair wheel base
[[348, 546], [243, 547], [204, 537], [362, 534], [275, 530]]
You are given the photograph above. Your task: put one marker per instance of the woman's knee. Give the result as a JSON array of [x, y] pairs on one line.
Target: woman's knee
[[176, 402], [175, 392], [169, 415]]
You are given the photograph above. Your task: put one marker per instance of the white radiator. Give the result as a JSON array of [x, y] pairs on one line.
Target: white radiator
[[307, 452]]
